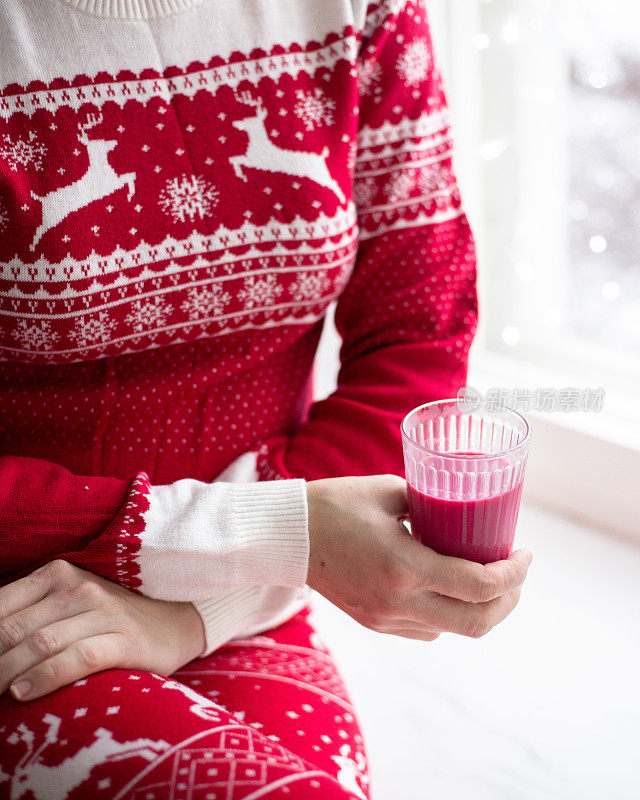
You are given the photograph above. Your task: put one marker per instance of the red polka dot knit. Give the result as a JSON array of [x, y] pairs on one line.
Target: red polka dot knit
[[181, 198]]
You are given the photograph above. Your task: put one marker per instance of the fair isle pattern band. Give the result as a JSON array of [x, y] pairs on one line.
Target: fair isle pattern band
[[131, 525], [140, 233], [427, 125], [299, 233], [213, 271], [223, 267], [207, 292], [404, 175], [142, 90], [114, 553]]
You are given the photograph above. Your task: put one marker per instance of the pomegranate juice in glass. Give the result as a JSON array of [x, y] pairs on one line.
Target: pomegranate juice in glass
[[464, 473]]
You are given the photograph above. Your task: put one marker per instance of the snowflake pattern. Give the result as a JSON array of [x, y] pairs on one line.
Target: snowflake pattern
[[4, 216], [314, 108], [369, 74], [148, 314], [89, 330], [37, 336], [414, 63], [207, 302], [23, 151], [309, 286], [260, 291], [400, 186], [434, 178], [188, 196], [364, 190]]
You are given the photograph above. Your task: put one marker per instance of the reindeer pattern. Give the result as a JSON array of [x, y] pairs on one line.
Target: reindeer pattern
[[120, 202], [169, 740], [46, 782], [263, 154], [100, 180], [35, 779], [201, 706]]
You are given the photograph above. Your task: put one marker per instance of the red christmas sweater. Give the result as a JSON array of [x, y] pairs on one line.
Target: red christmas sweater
[[185, 187]]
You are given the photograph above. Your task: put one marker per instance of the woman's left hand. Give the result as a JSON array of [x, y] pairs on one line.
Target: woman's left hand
[[61, 623]]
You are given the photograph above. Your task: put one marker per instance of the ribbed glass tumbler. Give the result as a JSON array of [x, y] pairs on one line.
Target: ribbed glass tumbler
[[464, 472]]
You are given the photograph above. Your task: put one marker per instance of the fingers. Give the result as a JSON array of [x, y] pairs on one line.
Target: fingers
[[77, 661], [509, 574], [21, 594], [53, 626], [27, 591], [427, 613], [19, 626], [46, 642], [466, 580], [468, 619]]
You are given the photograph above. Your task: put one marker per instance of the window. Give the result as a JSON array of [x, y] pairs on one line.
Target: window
[[551, 160], [563, 155], [604, 201], [545, 98]]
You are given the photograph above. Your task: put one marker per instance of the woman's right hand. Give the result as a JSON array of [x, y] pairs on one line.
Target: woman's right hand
[[363, 560]]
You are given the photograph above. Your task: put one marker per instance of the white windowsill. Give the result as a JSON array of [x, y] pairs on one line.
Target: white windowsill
[[585, 465]]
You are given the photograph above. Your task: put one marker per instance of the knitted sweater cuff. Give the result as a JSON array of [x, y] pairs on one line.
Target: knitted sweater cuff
[[203, 539], [271, 520], [247, 611]]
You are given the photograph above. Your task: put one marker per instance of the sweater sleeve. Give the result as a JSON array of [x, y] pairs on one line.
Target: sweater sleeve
[[232, 547], [409, 312]]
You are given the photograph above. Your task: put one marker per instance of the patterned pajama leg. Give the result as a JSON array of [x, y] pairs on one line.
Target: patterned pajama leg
[[267, 717]]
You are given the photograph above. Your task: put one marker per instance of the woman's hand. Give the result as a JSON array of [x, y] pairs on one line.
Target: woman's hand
[[60, 624], [363, 561]]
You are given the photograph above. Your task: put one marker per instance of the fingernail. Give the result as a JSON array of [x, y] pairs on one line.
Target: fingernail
[[20, 689]]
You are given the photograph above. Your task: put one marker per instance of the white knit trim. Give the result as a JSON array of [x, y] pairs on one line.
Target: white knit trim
[[201, 539], [271, 517], [247, 611], [132, 9]]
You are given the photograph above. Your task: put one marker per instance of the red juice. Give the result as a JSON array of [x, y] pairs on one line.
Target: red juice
[[478, 530]]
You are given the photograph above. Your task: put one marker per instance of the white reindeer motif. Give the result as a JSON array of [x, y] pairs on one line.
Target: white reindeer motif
[[56, 783], [347, 776], [100, 180], [202, 707], [263, 154]]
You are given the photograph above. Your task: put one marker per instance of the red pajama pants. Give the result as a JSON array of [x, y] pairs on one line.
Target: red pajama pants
[[267, 717]]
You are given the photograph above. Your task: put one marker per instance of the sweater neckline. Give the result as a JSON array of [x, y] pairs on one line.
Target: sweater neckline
[[132, 9]]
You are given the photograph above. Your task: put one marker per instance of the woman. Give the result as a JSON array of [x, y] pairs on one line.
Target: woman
[[177, 187]]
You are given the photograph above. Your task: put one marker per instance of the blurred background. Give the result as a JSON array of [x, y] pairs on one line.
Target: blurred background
[[545, 101]]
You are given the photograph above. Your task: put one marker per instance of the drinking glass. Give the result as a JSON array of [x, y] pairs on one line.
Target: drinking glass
[[464, 471]]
